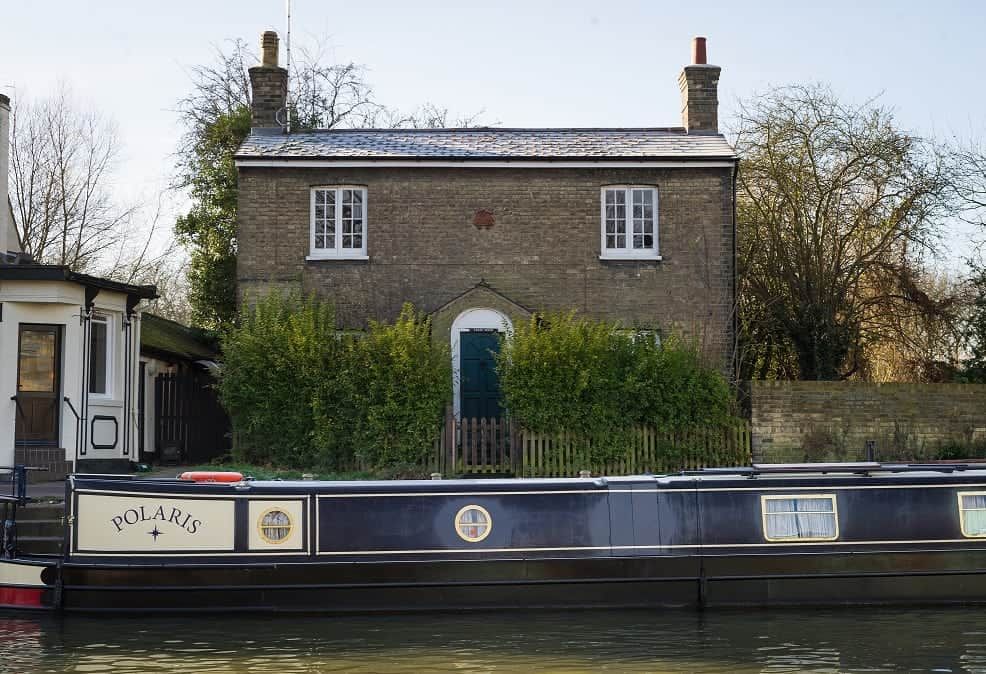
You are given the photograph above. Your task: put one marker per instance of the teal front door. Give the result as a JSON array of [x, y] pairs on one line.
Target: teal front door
[[479, 385]]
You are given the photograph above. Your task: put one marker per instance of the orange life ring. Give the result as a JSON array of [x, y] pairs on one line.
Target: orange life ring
[[210, 476]]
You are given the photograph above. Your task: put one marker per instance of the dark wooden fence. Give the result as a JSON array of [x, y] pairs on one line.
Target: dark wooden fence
[[189, 418], [479, 445], [499, 446]]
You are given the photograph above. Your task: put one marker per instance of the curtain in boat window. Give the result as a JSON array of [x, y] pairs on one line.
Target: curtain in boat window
[[973, 510], [794, 518]]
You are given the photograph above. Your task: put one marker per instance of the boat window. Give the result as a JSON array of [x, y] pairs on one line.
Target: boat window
[[804, 517], [275, 526], [473, 523], [972, 513]]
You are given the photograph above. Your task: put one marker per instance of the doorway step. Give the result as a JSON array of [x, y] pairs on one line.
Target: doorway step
[[51, 461]]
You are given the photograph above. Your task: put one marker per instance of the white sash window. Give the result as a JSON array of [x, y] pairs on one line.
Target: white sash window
[[338, 223], [100, 356], [629, 222]]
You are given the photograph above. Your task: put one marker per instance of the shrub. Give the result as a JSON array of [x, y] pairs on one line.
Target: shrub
[[400, 383], [562, 372], [274, 366], [302, 395]]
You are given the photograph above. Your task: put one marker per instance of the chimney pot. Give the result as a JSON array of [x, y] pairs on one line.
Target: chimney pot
[[698, 51], [268, 49]]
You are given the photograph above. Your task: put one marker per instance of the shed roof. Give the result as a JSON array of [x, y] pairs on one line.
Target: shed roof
[[489, 144], [162, 337]]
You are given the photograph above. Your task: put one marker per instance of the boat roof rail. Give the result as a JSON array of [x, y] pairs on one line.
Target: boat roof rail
[[853, 467]]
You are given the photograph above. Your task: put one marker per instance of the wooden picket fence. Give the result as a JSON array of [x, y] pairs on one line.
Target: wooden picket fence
[[478, 445], [499, 446]]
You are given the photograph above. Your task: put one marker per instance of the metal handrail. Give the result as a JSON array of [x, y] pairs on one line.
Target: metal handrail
[[18, 485]]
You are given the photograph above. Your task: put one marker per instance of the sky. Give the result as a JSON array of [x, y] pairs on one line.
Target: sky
[[530, 63]]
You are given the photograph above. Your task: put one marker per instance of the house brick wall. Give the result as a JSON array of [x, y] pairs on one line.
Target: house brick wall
[[813, 420], [542, 252]]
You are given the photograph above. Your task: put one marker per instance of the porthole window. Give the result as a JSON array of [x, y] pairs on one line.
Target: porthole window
[[473, 523], [275, 526]]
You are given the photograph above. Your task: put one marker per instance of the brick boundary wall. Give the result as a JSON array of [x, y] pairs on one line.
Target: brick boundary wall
[[831, 421], [50, 459]]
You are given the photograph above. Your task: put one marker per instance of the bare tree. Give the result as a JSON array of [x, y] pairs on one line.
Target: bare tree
[[838, 214], [324, 94], [62, 160], [216, 116]]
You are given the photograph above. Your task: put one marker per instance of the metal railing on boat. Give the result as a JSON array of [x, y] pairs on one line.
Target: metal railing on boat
[[853, 468]]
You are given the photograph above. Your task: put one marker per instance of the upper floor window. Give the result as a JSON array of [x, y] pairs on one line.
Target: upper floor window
[[629, 222], [805, 517], [100, 355], [338, 222]]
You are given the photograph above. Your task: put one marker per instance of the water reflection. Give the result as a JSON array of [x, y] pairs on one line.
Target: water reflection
[[868, 640]]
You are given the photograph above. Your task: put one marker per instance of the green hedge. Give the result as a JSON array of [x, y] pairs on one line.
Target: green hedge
[[562, 372], [300, 394]]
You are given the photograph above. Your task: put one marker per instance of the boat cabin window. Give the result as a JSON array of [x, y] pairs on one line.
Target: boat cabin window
[[972, 513], [275, 526], [803, 517], [473, 523]]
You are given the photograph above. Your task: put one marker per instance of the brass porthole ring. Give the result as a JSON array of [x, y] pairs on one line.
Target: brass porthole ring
[[473, 523], [275, 526]]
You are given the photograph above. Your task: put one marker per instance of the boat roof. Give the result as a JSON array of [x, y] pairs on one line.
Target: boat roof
[[773, 472]]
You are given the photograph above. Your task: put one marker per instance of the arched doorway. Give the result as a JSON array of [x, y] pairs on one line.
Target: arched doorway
[[475, 339]]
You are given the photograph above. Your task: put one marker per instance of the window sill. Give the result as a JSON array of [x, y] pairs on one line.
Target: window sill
[[631, 258], [97, 400], [330, 258]]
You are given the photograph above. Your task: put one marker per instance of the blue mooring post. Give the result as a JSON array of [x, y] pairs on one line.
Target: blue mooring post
[[20, 481]]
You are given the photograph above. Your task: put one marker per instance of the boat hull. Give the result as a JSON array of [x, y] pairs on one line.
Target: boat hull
[[903, 577]]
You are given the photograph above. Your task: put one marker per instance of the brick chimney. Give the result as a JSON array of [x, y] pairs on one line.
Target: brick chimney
[[699, 83], [8, 236], [269, 85]]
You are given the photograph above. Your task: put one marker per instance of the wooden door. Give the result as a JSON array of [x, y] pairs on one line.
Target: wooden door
[[480, 385], [38, 385]]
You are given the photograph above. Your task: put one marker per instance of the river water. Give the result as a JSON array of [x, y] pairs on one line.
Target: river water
[[847, 640]]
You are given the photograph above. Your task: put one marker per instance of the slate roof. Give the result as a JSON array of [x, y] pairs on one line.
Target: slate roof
[[489, 144]]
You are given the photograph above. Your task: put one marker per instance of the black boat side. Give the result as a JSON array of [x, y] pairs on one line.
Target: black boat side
[[884, 535]]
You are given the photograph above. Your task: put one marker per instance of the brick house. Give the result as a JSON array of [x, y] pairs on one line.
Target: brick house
[[480, 227]]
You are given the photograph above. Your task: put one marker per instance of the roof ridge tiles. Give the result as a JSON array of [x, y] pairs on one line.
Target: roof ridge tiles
[[507, 129]]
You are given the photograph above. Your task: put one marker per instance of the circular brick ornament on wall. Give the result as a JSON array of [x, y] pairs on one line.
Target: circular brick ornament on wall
[[484, 219]]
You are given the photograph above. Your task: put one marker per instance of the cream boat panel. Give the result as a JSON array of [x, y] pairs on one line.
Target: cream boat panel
[[153, 524], [20, 574], [294, 538]]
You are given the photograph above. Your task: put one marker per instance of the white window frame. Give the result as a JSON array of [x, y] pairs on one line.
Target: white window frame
[[628, 253], [107, 320], [962, 512], [337, 252], [786, 497]]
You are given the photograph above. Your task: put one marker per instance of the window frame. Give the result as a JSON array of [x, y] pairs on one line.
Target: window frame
[[784, 497], [107, 320], [262, 528], [457, 523], [963, 510], [629, 253], [336, 252]]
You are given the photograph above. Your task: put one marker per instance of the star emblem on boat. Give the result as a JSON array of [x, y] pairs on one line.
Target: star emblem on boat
[[154, 532]]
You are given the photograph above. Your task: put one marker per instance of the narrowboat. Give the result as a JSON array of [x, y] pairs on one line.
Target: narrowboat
[[765, 535]]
